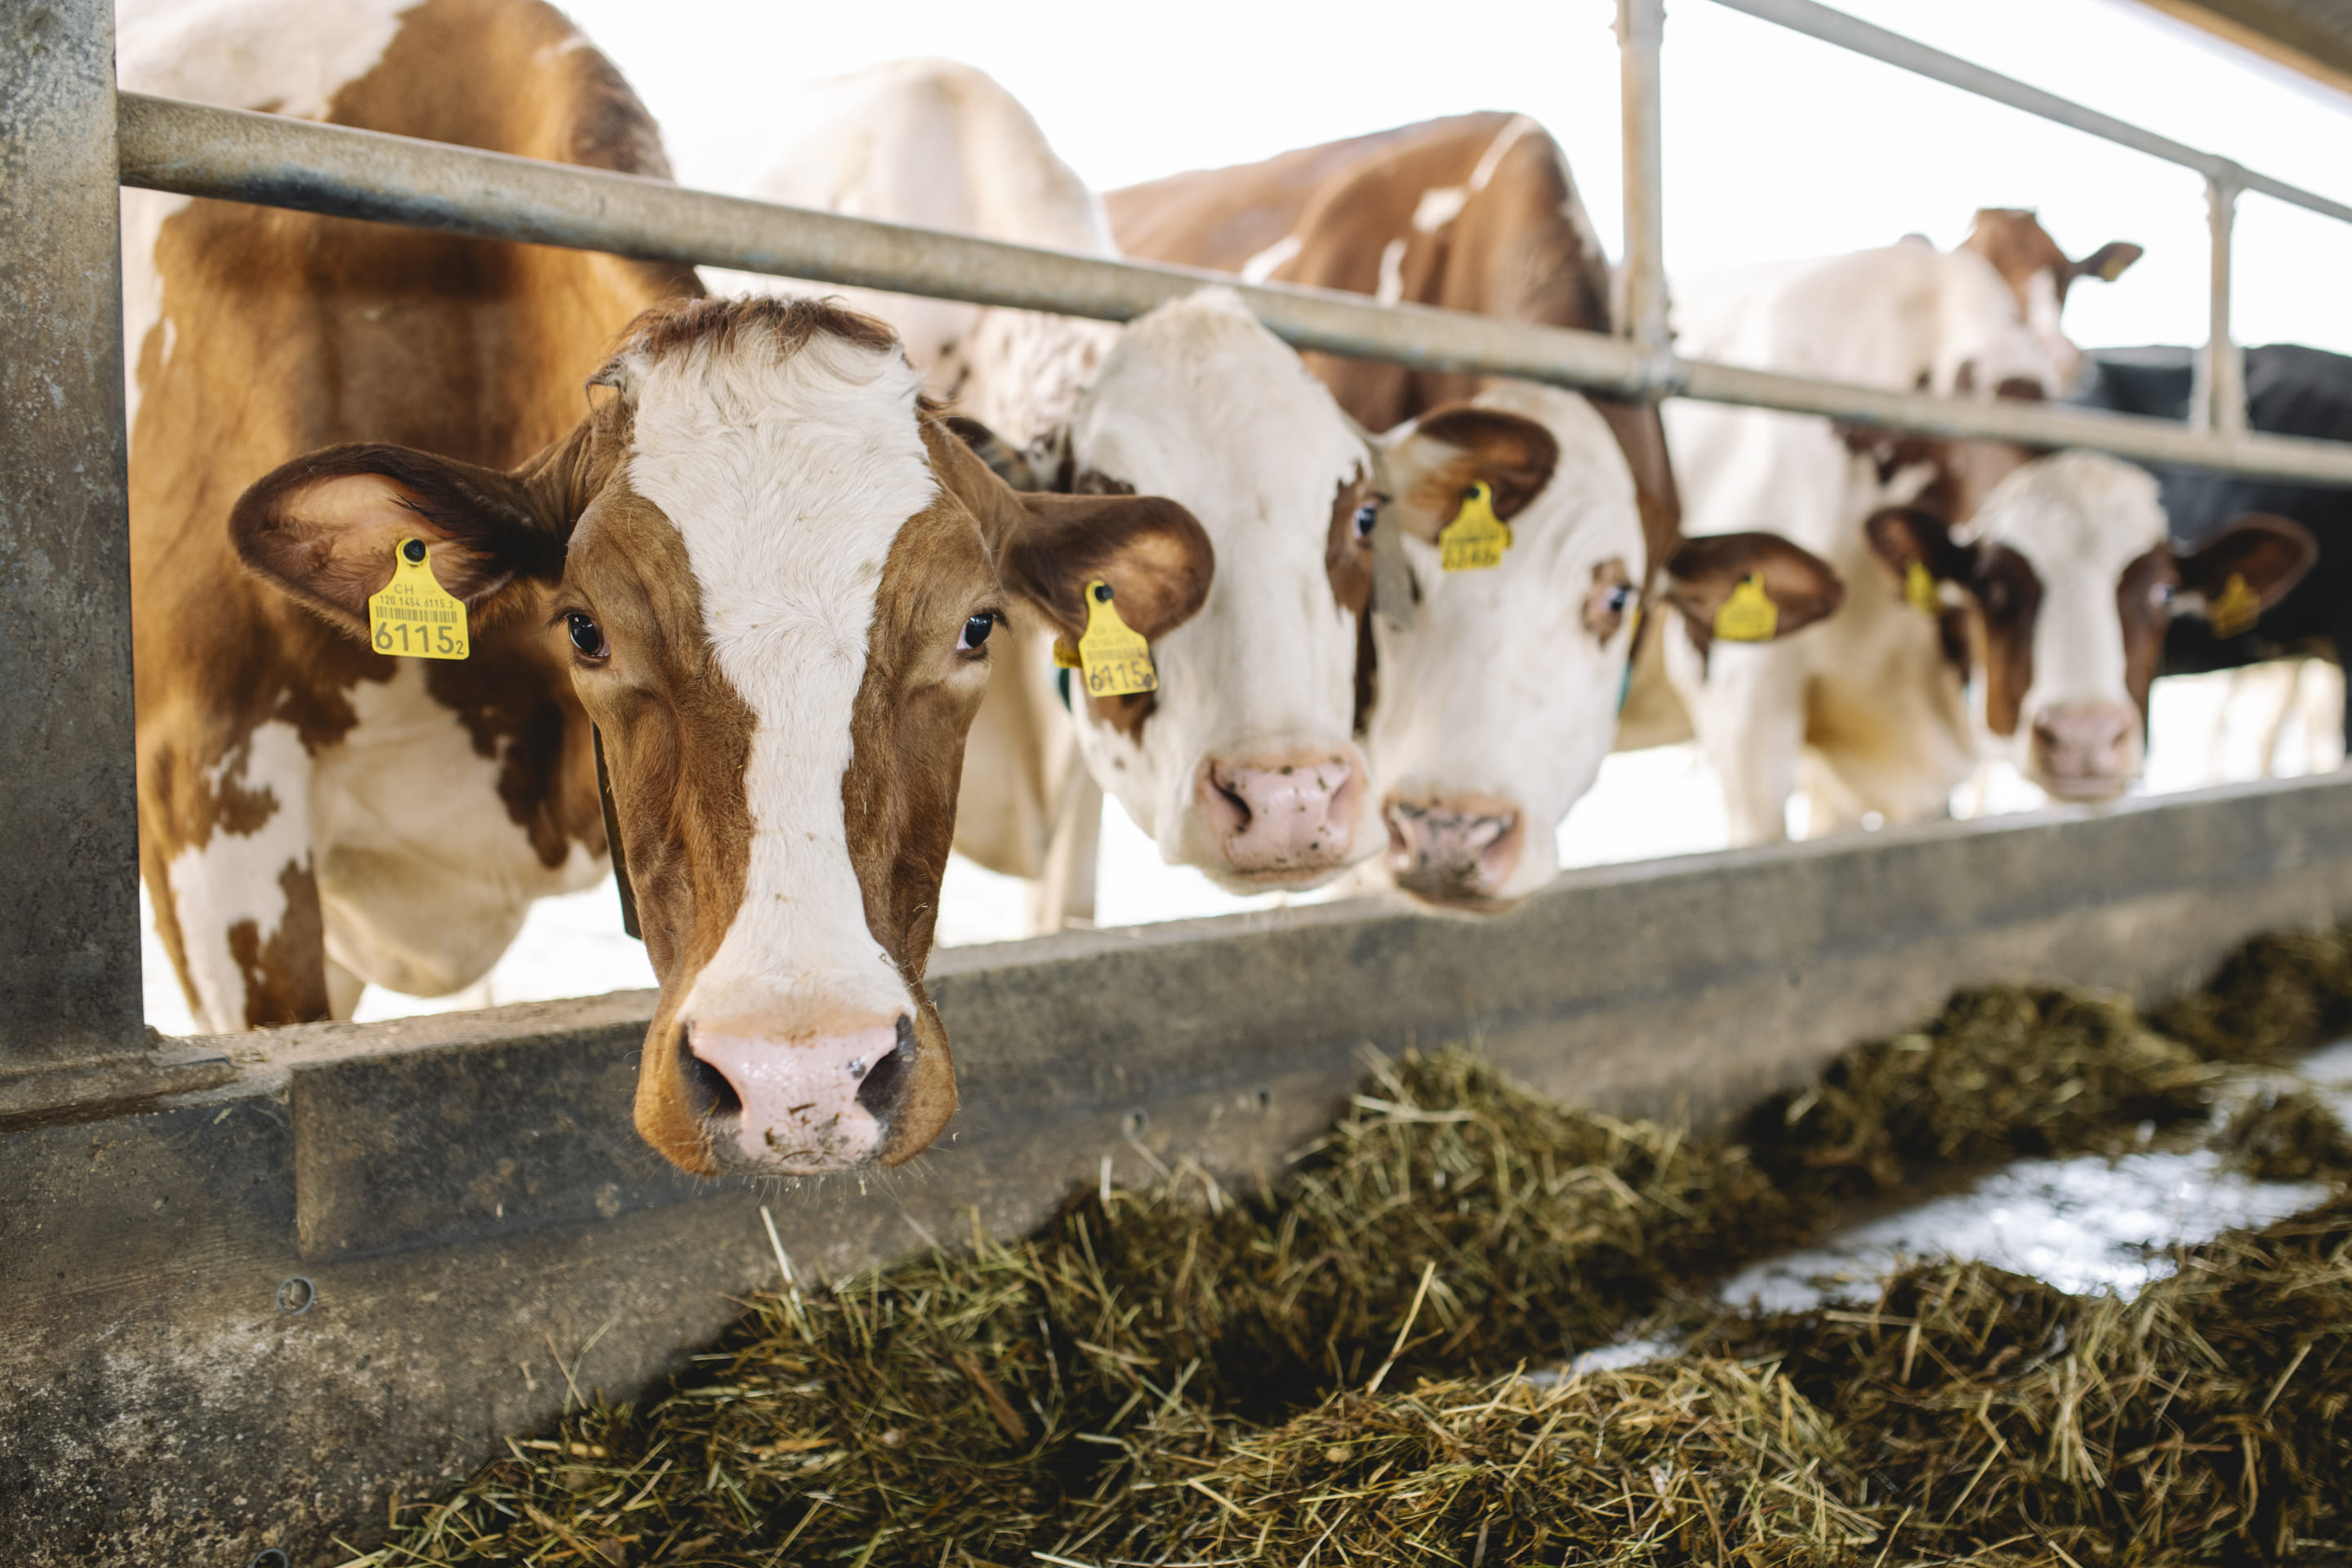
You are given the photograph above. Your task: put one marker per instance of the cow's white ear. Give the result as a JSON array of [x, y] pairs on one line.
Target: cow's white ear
[[2243, 569], [324, 526], [1433, 463]]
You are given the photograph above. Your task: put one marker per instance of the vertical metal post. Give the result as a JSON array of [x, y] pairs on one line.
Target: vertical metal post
[[1641, 30], [2220, 403], [70, 919]]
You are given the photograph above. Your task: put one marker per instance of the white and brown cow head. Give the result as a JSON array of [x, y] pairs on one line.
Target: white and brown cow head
[[2038, 274], [1245, 761], [2065, 581], [770, 576], [1498, 692]]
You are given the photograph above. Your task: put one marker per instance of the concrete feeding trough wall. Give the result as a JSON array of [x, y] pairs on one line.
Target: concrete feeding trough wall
[[470, 1229]]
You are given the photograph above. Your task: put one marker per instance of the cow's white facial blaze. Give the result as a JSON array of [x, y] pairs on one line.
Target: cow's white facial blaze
[[788, 477], [1496, 656], [2078, 519], [1200, 403]]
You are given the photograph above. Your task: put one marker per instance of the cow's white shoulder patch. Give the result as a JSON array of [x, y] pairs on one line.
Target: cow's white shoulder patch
[[789, 476], [424, 876], [232, 879]]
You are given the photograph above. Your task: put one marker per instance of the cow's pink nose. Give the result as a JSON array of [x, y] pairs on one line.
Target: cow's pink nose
[[1285, 815], [1454, 849], [2088, 752], [799, 1104]]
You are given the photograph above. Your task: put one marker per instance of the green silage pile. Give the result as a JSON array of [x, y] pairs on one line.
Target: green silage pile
[[1330, 1371]]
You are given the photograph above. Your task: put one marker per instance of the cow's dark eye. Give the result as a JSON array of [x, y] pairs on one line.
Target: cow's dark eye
[[2162, 595], [975, 632], [1366, 515], [1620, 596], [586, 635]]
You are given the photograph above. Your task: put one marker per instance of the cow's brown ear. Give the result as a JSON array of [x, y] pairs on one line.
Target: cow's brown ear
[[1433, 465], [1154, 554], [1907, 536], [324, 526], [2265, 555], [1706, 575], [2107, 263]]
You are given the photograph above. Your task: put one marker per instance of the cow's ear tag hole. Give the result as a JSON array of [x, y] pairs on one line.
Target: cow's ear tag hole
[[1920, 588], [1476, 538], [2237, 609], [415, 615], [1113, 657], [1750, 615]]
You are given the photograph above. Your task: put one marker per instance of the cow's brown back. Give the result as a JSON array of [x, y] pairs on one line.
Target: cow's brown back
[[283, 331], [1474, 213]]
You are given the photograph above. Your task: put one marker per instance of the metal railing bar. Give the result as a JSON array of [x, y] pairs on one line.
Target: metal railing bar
[[1851, 33], [229, 154]]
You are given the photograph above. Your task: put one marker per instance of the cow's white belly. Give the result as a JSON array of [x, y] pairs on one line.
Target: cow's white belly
[[423, 877]]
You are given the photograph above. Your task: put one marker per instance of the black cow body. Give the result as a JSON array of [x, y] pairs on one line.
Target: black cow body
[[2290, 391]]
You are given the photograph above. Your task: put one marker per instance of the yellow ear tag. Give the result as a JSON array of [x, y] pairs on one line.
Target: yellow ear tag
[[414, 614], [1476, 538], [2237, 609], [1920, 588], [1113, 657], [1750, 615]]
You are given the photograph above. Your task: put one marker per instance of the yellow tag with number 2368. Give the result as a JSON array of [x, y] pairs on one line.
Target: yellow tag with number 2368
[[414, 614], [1113, 657]]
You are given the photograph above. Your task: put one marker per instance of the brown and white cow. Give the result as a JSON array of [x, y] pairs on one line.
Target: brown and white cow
[[1495, 691], [755, 561], [1246, 762], [2067, 579], [1875, 710]]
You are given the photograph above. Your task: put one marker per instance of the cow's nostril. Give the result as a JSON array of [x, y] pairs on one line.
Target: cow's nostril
[[881, 1089], [707, 1088], [1233, 796]]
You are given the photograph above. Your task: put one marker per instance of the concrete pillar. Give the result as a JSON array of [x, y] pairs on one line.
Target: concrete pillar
[[68, 826]]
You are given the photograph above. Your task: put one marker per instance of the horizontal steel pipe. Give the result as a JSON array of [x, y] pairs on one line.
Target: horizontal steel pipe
[[1860, 37], [231, 155]]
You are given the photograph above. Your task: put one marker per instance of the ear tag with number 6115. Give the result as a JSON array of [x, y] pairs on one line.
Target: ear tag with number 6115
[[1750, 615], [1113, 657], [2237, 609], [1476, 538], [414, 614]]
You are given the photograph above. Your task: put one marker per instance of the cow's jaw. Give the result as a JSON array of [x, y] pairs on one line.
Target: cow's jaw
[[2070, 714], [1244, 765], [1499, 700], [788, 478]]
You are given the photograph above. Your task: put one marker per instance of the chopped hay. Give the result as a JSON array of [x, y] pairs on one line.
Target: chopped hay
[[1323, 1373], [2287, 1135], [2276, 998], [2002, 1073], [2210, 1418]]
